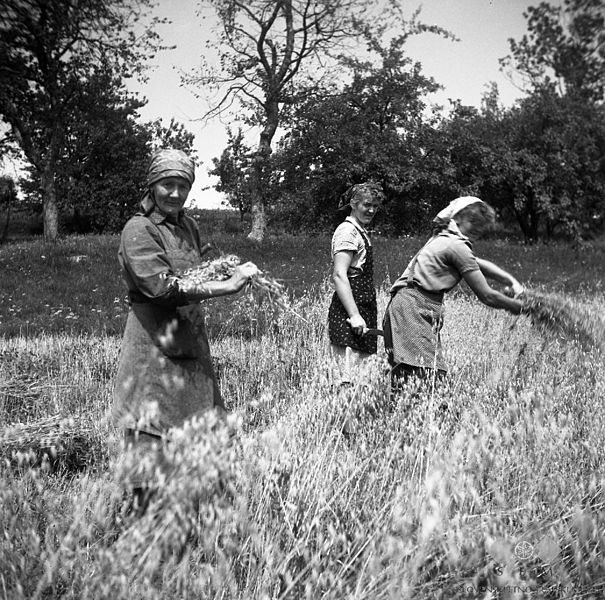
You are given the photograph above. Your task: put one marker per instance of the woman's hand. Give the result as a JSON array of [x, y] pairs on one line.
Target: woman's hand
[[212, 289], [517, 288], [242, 275], [514, 290], [357, 324]]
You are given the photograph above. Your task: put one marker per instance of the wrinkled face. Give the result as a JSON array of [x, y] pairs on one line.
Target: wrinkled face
[[364, 207], [170, 194]]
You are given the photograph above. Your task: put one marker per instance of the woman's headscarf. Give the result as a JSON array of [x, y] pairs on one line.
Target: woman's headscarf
[[169, 162], [455, 206], [371, 187]]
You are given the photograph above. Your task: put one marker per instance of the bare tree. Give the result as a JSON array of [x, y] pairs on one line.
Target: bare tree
[[270, 51]]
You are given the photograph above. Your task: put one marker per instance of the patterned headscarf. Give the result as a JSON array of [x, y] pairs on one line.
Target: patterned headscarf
[[373, 188], [455, 206], [169, 162]]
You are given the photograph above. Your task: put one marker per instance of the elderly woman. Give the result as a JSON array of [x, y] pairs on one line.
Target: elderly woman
[[353, 307], [165, 374], [414, 316]]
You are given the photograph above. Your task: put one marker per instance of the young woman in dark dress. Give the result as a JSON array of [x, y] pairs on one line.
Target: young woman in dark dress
[[353, 307]]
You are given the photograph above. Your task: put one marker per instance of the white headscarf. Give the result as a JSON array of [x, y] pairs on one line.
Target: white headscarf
[[455, 206]]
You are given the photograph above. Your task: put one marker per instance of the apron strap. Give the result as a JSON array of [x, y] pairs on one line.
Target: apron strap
[[365, 238], [364, 235], [412, 267]]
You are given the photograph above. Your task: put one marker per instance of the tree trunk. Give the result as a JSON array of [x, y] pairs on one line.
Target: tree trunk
[[259, 222], [50, 210], [257, 201], [8, 218], [522, 218], [534, 218], [527, 216], [260, 168]]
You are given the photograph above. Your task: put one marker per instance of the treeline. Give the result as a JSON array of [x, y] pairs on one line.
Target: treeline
[[541, 162], [69, 115]]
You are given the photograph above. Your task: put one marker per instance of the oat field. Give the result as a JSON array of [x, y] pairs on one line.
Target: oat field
[[489, 486]]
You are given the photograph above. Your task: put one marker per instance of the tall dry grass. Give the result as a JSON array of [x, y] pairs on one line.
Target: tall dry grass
[[501, 493]]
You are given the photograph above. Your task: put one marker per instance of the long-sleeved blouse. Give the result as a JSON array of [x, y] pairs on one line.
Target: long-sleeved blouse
[[165, 373]]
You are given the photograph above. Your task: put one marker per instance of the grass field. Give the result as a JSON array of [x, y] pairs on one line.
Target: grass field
[[500, 496]]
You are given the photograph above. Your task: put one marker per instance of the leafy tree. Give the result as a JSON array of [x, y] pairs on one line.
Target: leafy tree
[[48, 51], [102, 166], [174, 135], [541, 162], [554, 164], [564, 48], [231, 169], [100, 174], [370, 129], [102, 186], [463, 143], [268, 50], [552, 161]]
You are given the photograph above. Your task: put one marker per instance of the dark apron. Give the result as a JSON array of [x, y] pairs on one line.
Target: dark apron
[[165, 363], [364, 294]]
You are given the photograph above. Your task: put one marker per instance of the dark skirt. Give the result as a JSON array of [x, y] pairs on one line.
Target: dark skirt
[[412, 326], [340, 331], [165, 375]]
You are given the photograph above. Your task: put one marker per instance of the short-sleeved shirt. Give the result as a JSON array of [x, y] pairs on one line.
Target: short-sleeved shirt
[[349, 237], [442, 262]]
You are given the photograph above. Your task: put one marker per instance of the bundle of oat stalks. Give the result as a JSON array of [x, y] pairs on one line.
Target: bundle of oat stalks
[[60, 443], [564, 316], [222, 268]]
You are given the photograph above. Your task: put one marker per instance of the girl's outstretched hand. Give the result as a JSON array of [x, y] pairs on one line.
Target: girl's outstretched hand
[[514, 290], [518, 289]]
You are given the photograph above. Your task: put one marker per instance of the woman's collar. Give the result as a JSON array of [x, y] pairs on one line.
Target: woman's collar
[[357, 224], [157, 216], [453, 228]]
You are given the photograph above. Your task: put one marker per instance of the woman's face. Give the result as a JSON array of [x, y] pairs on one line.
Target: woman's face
[[170, 194], [474, 228], [364, 207]]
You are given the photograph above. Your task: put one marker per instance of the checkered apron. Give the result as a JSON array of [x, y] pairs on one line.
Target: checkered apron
[[364, 295], [412, 326]]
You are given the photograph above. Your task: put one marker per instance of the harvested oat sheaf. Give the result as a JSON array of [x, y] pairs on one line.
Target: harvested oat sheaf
[[565, 316], [69, 444], [222, 268]]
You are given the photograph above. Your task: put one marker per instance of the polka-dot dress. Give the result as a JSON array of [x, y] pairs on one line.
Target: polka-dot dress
[[364, 295]]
